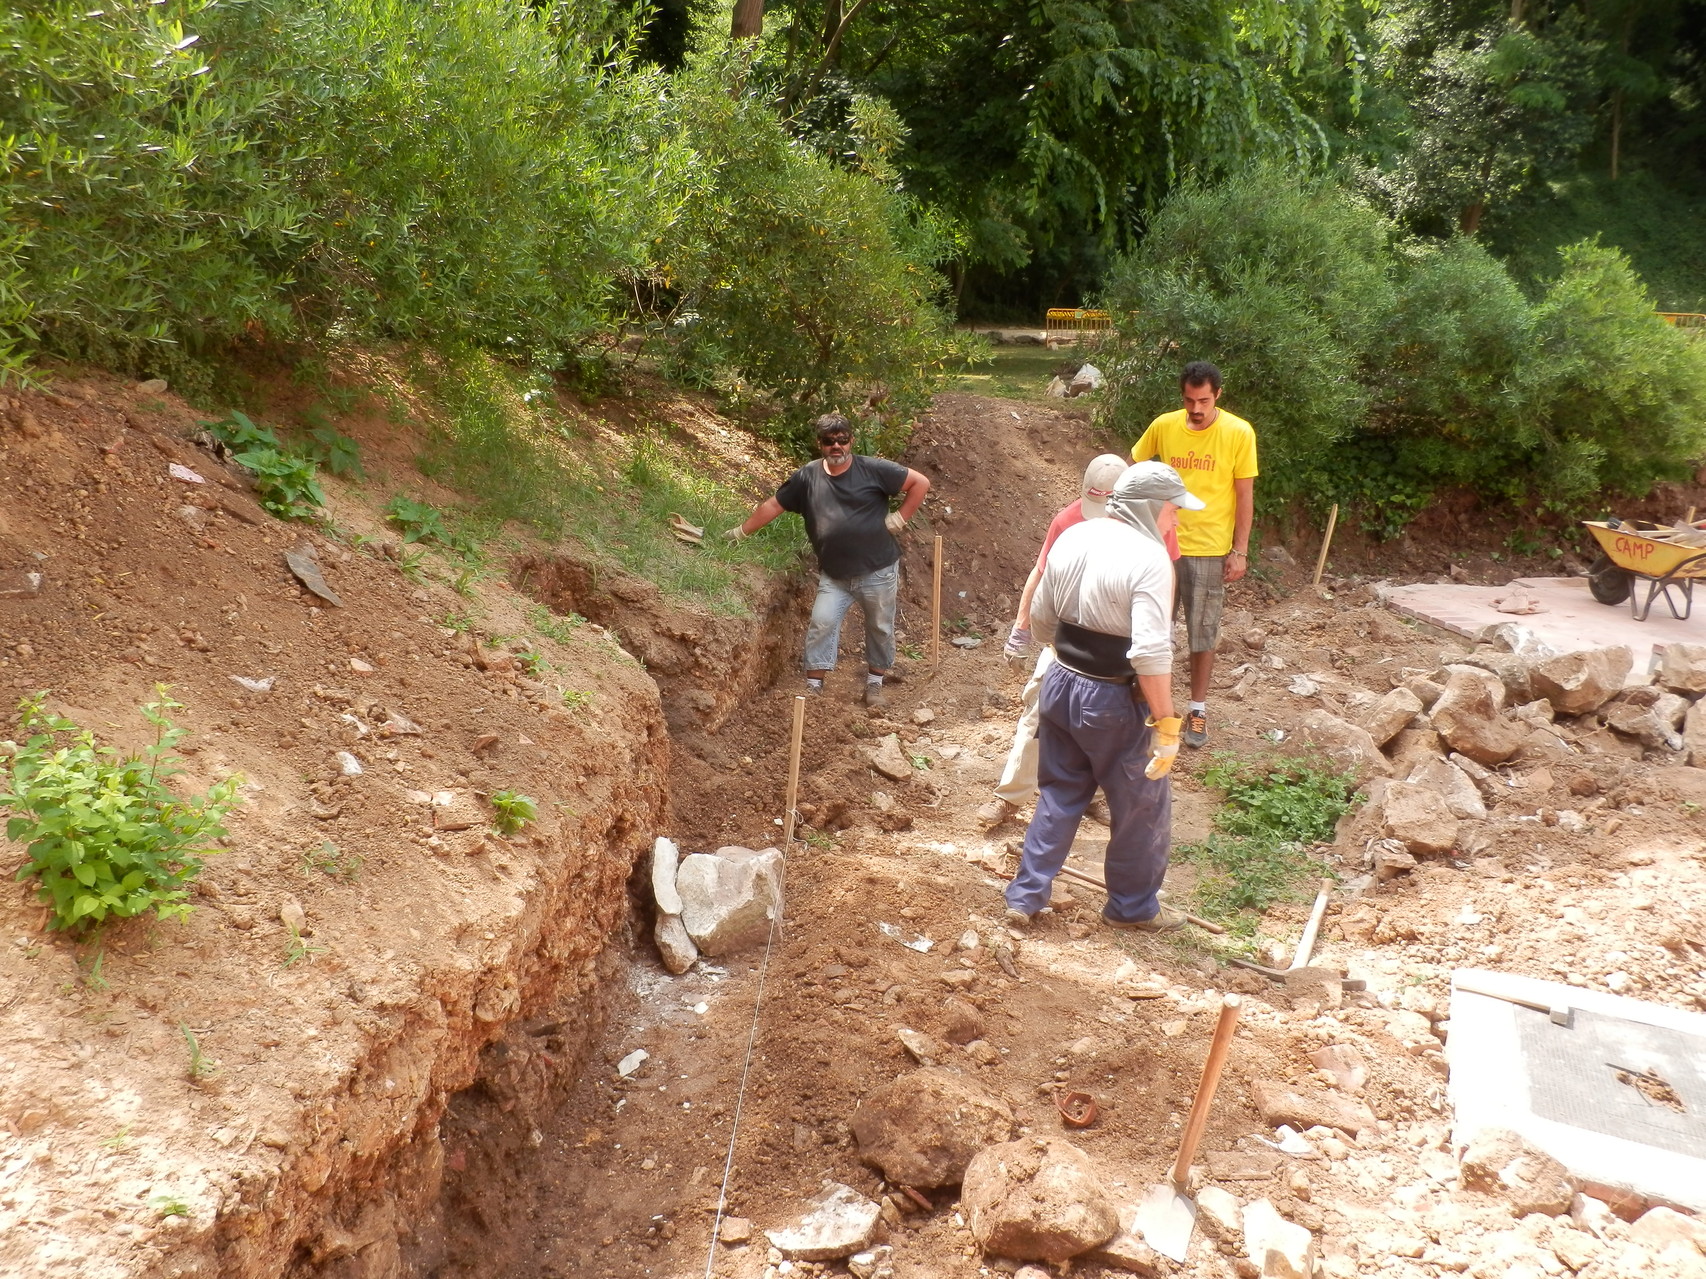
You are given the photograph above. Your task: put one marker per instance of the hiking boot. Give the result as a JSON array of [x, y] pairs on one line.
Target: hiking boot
[[1164, 920], [1098, 812], [994, 811], [1017, 918], [1196, 729], [875, 698]]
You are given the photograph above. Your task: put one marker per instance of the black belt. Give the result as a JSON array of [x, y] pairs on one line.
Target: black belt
[[1105, 679]]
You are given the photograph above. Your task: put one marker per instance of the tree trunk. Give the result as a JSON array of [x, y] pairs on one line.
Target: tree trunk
[[748, 19], [1470, 220], [1616, 130]]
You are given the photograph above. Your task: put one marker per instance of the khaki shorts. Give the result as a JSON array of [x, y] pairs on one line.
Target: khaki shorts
[[1200, 597]]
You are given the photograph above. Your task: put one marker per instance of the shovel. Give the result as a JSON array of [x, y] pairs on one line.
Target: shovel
[[1167, 1216]]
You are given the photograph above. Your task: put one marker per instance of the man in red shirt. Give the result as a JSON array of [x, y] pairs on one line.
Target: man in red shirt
[[1018, 784]]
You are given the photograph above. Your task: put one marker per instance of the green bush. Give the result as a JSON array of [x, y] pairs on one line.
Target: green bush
[[181, 174], [103, 833], [802, 276], [1377, 369], [1280, 283]]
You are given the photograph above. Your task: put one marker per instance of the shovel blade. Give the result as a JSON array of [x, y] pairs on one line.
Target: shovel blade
[[1166, 1219]]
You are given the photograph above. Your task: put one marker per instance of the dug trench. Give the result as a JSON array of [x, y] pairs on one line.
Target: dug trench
[[425, 1083]]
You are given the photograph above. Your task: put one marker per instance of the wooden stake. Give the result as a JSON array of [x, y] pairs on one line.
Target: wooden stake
[[794, 773], [1689, 518], [1306, 944], [936, 605], [1321, 559]]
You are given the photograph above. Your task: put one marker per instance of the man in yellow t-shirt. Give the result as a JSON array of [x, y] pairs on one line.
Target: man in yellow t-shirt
[[1215, 453]]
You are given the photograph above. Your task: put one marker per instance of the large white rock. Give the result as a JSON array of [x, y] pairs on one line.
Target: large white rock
[[1280, 1249], [1390, 714], [840, 1223], [728, 898], [1453, 785], [1576, 683], [666, 860], [1683, 668], [674, 944], [1036, 1201]]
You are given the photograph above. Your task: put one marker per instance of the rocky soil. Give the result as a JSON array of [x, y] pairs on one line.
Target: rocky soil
[[418, 1099], [1497, 831]]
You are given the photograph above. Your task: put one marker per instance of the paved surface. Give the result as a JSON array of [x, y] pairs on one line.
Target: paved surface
[[1558, 1084], [1573, 618]]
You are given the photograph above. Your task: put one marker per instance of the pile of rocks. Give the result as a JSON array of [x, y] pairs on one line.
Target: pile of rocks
[[1427, 752], [713, 903]]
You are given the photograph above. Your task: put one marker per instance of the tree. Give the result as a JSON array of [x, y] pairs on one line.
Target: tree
[[1053, 126]]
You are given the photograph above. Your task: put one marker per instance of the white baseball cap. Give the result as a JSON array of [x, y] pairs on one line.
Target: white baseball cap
[[1099, 479]]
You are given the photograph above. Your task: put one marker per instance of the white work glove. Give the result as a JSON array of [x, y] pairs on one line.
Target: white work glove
[[894, 521], [1166, 746], [736, 533], [1017, 649]]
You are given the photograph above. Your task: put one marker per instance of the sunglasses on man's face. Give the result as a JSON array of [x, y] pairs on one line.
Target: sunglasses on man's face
[[830, 441]]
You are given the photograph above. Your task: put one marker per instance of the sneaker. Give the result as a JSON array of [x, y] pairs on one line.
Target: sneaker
[[1164, 920], [1017, 918], [995, 811], [875, 698], [812, 690], [1196, 729]]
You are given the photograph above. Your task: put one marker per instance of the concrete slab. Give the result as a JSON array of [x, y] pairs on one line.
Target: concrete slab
[[1573, 619], [1556, 1080]]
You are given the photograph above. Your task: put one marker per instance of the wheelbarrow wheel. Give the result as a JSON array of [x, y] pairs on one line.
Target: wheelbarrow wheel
[[1609, 584]]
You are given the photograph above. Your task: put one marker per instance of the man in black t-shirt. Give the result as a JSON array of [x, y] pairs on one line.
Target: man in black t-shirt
[[844, 500]]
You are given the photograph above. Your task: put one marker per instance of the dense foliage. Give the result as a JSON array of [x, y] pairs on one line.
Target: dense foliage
[[183, 175], [1378, 367]]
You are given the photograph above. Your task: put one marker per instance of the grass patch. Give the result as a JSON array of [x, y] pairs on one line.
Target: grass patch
[[506, 445], [1258, 855], [1016, 372]]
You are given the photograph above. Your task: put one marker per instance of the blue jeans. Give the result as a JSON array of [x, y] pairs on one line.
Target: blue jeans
[[1092, 733], [875, 593]]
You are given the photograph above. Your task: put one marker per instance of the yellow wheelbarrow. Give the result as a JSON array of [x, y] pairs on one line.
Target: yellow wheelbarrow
[[1661, 555]]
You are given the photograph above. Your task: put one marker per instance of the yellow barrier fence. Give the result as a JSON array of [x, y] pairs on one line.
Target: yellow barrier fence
[[1681, 319], [1075, 319]]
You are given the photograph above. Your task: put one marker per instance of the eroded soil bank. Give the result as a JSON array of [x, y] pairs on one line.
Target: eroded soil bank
[[365, 954]]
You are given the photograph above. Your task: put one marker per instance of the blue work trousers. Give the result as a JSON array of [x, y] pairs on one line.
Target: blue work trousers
[[1092, 734]]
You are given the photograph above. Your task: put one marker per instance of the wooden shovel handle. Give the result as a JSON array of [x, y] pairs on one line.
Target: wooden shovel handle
[[1230, 1008]]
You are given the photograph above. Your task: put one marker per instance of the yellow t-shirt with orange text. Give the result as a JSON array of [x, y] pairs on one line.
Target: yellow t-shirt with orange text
[[1207, 461]]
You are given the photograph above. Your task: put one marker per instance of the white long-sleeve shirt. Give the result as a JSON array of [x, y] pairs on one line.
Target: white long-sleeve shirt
[[1105, 576]]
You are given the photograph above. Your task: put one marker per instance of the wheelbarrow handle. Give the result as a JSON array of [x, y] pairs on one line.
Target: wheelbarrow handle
[[1230, 1008]]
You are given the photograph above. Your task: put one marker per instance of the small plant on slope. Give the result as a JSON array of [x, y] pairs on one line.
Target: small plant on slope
[[103, 834], [514, 810], [285, 481]]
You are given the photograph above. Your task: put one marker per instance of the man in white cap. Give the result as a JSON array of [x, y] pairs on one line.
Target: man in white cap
[[1105, 602], [1018, 784]]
